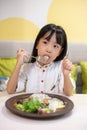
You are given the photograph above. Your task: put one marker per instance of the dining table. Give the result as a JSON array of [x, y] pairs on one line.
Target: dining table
[[76, 119]]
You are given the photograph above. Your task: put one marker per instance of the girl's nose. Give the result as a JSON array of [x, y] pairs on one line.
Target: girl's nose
[[49, 49]]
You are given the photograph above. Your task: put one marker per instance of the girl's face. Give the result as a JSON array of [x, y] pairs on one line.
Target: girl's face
[[50, 48]]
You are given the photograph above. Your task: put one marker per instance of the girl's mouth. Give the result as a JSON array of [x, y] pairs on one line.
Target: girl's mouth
[[43, 59], [46, 57]]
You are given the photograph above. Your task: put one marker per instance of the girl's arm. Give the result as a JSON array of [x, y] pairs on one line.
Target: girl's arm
[[67, 68], [13, 81]]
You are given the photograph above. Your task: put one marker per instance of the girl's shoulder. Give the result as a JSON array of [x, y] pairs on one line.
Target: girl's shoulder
[[58, 63]]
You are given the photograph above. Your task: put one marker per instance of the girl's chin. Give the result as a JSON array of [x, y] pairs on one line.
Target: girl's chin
[[44, 64]]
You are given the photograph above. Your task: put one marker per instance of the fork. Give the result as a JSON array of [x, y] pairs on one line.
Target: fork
[[42, 59]]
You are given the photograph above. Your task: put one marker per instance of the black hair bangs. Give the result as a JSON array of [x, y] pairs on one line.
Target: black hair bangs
[[60, 36]]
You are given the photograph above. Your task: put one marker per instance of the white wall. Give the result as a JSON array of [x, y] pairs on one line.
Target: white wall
[[32, 10]]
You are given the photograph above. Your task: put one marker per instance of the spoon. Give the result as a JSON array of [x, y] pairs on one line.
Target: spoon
[[41, 59]]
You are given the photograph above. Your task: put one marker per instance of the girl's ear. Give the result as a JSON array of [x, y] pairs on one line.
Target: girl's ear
[[37, 47], [61, 51]]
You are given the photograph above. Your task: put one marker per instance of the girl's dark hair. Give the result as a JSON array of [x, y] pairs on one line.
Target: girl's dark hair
[[61, 39]]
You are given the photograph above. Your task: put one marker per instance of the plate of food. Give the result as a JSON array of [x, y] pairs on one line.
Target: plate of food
[[39, 105]]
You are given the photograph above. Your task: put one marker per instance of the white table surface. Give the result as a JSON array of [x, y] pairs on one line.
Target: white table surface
[[75, 120]]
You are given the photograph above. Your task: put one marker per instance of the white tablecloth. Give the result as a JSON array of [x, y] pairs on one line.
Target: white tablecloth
[[75, 120]]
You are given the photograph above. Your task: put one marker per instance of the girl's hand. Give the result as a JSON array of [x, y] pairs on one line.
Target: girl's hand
[[21, 53], [66, 66]]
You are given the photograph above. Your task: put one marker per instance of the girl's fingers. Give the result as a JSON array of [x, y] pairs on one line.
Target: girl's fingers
[[67, 64], [23, 52], [20, 50]]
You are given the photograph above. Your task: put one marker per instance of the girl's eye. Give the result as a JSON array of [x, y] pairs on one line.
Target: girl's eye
[[55, 46], [45, 42]]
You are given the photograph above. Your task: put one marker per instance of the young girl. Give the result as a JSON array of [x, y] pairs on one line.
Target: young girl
[[49, 76]]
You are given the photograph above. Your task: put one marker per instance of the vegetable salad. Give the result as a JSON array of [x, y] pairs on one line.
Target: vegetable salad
[[39, 103]]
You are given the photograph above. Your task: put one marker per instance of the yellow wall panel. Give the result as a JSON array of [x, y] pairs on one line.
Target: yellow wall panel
[[17, 29], [72, 15]]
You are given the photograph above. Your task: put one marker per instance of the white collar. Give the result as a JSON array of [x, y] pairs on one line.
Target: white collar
[[44, 66]]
